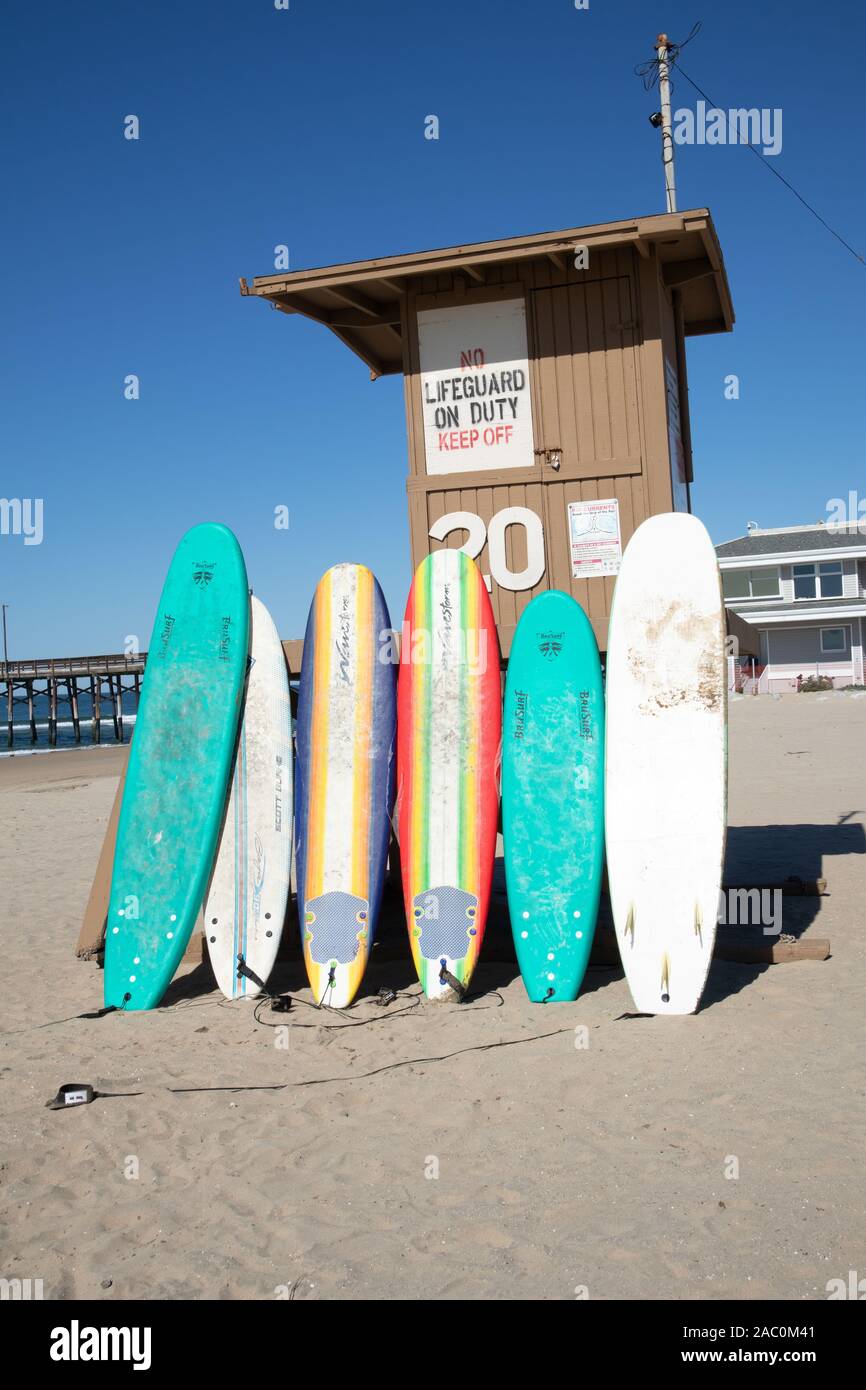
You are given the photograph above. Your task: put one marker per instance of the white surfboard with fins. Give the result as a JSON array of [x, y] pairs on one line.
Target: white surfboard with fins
[[666, 761]]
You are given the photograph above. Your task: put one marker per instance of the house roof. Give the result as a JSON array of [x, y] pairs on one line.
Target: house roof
[[361, 301], [800, 539], [806, 608]]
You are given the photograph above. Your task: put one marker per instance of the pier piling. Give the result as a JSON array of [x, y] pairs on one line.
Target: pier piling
[[52, 713], [116, 688], [72, 691], [31, 711], [96, 696], [65, 679]]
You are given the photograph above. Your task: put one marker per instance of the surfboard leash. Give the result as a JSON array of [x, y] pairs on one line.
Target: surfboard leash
[[377, 1071], [446, 978], [383, 999], [244, 970], [419, 1061], [72, 1018], [283, 1003], [350, 1023]]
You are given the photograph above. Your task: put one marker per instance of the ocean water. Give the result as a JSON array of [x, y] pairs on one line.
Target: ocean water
[[21, 740]]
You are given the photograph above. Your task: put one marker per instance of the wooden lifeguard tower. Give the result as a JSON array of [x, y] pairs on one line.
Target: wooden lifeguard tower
[[545, 385]]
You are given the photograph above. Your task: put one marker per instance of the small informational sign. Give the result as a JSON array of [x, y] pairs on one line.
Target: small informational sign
[[475, 390], [594, 535], [679, 483]]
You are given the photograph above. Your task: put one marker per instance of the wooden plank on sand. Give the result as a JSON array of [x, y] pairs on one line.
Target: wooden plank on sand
[[91, 938], [744, 945]]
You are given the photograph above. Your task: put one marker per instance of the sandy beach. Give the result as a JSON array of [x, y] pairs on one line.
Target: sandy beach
[[497, 1149]]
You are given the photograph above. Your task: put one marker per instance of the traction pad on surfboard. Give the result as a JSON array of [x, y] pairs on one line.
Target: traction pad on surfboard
[[445, 922], [332, 924]]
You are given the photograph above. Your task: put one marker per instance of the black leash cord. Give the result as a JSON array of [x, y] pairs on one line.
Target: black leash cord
[[377, 1071], [351, 1023], [419, 1061], [72, 1018]]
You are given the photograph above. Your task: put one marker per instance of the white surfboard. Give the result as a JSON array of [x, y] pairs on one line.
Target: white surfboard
[[246, 903], [666, 761]]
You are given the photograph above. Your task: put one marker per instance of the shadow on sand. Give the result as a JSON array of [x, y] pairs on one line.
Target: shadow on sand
[[756, 855]]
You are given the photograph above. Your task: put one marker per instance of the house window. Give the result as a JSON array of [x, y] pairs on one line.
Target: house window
[[833, 639], [762, 583], [818, 581]]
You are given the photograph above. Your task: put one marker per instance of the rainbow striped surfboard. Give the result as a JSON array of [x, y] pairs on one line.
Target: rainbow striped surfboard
[[344, 779], [449, 723]]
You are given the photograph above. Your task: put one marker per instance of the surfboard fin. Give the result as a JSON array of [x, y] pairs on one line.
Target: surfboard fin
[[629, 924], [698, 923]]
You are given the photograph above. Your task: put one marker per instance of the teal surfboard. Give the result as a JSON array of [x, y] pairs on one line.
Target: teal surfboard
[[553, 794], [179, 765]]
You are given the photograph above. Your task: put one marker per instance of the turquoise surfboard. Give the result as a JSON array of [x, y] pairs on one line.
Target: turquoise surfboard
[[553, 794], [179, 765]]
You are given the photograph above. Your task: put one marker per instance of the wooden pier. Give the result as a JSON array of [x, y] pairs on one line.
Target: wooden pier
[[63, 680], [104, 678]]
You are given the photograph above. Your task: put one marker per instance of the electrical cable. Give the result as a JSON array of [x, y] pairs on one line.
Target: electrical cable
[[648, 71], [781, 177]]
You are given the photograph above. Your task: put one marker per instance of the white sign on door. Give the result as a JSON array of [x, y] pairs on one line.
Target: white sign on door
[[594, 536], [475, 391]]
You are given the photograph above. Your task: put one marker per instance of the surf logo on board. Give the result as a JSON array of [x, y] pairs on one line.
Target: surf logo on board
[[259, 865], [446, 608], [278, 795], [165, 634], [550, 644], [225, 638], [520, 703], [585, 715], [202, 573], [343, 643]]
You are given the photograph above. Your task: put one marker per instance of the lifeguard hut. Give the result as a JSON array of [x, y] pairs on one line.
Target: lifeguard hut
[[545, 385]]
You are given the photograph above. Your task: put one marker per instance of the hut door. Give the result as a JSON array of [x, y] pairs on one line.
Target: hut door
[[587, 416]]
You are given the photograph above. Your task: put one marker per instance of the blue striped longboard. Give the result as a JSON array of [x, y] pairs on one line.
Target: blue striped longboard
[[344, 786], [246, 903]]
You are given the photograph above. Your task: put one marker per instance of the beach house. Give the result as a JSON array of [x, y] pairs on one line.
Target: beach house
[[804, 589]]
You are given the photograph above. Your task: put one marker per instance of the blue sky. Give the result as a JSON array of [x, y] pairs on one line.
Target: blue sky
[[305, 127]]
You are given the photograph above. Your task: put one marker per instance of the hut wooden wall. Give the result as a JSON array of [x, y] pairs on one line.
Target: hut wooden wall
[[596, 353]]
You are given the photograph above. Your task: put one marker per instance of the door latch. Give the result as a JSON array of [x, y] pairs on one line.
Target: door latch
[[552, 457]]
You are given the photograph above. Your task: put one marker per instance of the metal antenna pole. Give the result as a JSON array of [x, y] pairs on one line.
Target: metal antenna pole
[[667, 135], [5, 648]]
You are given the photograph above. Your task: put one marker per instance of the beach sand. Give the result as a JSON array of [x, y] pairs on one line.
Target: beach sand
[[533, 1170]]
